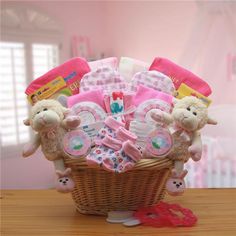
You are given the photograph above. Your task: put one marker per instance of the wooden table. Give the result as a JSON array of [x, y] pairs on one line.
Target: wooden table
[[46, 212]]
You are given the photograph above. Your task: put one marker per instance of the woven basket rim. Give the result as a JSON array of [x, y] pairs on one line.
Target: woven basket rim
[[143, 164]]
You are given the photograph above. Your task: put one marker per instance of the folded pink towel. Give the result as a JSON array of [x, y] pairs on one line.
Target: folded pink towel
[[180, 75], [71, 71], [95, 96]]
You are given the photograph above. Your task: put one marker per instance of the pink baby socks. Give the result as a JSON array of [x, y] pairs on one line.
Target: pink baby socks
[[109, 129], [116, 149], [124, 158]]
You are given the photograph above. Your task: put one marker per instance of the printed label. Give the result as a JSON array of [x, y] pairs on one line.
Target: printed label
[[185, 90], [48, 90]]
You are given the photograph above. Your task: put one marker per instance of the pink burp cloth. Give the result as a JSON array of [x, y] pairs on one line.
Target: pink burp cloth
[[72, 71], [148, 100], [95, 96], [153, 79], [180, 75], [110, 62], [144, 93], [104, 78]]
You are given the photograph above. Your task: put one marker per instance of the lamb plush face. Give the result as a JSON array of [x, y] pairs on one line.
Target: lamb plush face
[[190, 114], [46, 114]]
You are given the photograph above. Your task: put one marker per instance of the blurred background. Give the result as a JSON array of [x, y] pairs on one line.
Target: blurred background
[[38, 35]]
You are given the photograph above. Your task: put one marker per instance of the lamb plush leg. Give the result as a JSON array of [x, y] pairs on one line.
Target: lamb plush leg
[[195, 149], [30, 148], [64, 182], [175, 185]]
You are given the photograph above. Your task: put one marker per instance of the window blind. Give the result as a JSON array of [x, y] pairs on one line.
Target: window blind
[[13, 73], [45, 57], [13, 102]]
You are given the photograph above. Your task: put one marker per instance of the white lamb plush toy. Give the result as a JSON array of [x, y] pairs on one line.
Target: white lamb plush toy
[[189, 115], [51, 121]]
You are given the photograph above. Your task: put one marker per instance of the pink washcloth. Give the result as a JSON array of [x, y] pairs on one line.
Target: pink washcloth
[[95, 96], [145, 93], [71, 71], [180, 75]]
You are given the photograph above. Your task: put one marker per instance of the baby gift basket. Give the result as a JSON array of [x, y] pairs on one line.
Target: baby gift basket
[[132, 94]]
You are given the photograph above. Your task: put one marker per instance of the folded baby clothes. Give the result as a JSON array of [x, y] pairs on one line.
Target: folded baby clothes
[[104, 78], [129, 66], [148, 100], [144, 93], [123, 159], [110, 62], [109, 128], [153, 79], [95, 96], [117, 153], [89, 112], [141, 130], [180, 75]]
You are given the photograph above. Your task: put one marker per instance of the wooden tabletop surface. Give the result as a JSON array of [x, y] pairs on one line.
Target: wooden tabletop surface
[[46, 212]]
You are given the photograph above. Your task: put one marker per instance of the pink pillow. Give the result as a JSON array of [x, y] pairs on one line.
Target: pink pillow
[[180, 75]]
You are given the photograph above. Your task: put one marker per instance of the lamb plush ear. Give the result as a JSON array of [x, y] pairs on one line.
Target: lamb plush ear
[[67, 171], [183, 174], [211, 121], [59, 173], [26, 122]]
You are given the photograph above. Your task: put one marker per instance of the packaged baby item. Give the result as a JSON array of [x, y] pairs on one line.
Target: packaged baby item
[[64, 79], [184, 90]]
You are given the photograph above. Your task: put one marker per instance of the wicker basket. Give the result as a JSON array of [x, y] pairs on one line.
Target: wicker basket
[[98, 191]]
